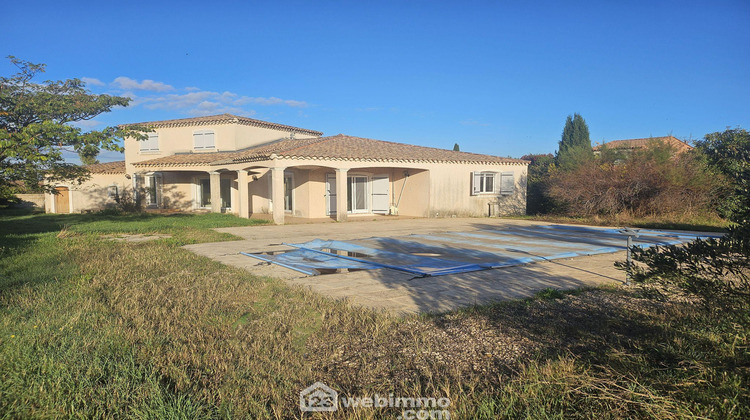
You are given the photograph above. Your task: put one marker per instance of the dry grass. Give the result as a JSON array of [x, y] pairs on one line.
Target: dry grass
[[96, 328]]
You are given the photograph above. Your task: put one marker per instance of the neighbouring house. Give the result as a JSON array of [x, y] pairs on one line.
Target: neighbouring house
[[227, 163], [629, 145]]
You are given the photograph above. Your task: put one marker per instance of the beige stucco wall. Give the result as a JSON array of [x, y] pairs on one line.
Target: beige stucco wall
[[450, 190], [430, 190], [92, 194], [31, 200]]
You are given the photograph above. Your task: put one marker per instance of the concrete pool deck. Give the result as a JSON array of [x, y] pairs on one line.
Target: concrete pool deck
[[400, 292]]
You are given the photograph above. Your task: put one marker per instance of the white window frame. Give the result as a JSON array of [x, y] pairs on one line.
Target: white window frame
[[157, 179], [151, 144], [199, 137], [479, 182], [367, 193], [113, 192]]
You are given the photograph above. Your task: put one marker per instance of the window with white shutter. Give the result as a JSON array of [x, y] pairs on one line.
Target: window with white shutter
[[151, 144], [203, 140]]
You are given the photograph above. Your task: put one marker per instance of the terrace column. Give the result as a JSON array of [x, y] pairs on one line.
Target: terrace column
[[243, 201], [342, 194], [277, 194], [215, 180]]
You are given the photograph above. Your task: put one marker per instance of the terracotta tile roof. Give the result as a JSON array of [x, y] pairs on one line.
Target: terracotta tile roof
[[224, 119], [339, 147], [107, 168], [678, 145], [357, 148]]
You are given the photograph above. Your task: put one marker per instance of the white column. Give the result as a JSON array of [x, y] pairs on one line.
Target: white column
[[215, 180], [243, 206], [342, 194], [277, 194]]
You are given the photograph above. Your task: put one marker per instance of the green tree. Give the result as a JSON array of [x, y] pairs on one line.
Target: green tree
[[538, 200], [729, 152], [456, 148], [36, 127], [575, 143]]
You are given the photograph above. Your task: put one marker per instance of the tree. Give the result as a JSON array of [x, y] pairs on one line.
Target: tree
[[729, 153], [538, 200], [35, 127], [575, 144], [456, 148], [715, 270]]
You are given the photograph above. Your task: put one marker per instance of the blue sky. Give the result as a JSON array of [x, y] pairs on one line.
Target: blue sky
[[497, 77]]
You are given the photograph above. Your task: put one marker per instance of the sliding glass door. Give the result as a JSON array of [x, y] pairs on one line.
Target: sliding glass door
[[357, 201]]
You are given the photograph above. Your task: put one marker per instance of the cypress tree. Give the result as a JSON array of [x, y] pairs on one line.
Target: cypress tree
[[575, 143]]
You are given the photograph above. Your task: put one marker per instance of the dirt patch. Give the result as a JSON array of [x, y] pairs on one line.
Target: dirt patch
[[135, 237]]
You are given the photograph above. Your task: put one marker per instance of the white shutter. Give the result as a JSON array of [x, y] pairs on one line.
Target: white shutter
[[380, 202], [475, 183], [150, 144], [507, 183], [330, 194], [208, 140], [203, 139]]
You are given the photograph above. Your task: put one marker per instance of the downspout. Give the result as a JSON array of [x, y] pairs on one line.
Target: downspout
[[401, 194]]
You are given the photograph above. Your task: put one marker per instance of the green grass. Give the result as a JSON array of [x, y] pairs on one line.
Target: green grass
[[96, 328]]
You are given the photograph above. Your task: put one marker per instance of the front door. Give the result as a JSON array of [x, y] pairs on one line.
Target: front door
[[62, 200]]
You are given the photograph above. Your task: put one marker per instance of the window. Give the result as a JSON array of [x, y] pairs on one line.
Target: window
[[151, 144], [507, 183], [153, 190], [112, 192], [204, 192], [483, 183], [226, 193], [288, 189], [203, 140]]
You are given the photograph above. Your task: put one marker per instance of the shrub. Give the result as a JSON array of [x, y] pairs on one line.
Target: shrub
[[715, 270], [653, 181]]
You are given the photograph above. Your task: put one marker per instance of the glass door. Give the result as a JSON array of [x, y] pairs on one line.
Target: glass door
[[357, 200]]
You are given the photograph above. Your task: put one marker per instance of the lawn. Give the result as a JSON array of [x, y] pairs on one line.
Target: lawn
[[91, 327]]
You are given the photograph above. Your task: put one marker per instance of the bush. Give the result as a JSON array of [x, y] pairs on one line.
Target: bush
[[715, 270], [128, 202], [650, 182]]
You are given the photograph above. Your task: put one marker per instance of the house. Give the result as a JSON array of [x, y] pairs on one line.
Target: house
[[629, 145], [227, 163]]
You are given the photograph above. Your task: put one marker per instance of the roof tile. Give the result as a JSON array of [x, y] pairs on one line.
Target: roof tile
[[224, 119], [339, 147], [107, 168], [679, 145]]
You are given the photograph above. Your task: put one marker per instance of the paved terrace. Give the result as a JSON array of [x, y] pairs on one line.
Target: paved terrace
[[400, 292]]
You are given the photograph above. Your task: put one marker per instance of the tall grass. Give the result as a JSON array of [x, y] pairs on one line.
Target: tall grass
[[96, 328]]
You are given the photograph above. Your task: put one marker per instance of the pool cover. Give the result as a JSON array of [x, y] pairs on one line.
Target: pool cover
[[440, 254]]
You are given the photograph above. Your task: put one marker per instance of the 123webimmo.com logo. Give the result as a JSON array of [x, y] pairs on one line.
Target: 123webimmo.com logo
[[319, 397]]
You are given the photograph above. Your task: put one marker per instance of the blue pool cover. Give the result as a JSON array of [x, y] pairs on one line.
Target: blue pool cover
[[506, 248]]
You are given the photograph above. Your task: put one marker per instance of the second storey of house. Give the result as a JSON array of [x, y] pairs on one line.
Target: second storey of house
[[211, 134]]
